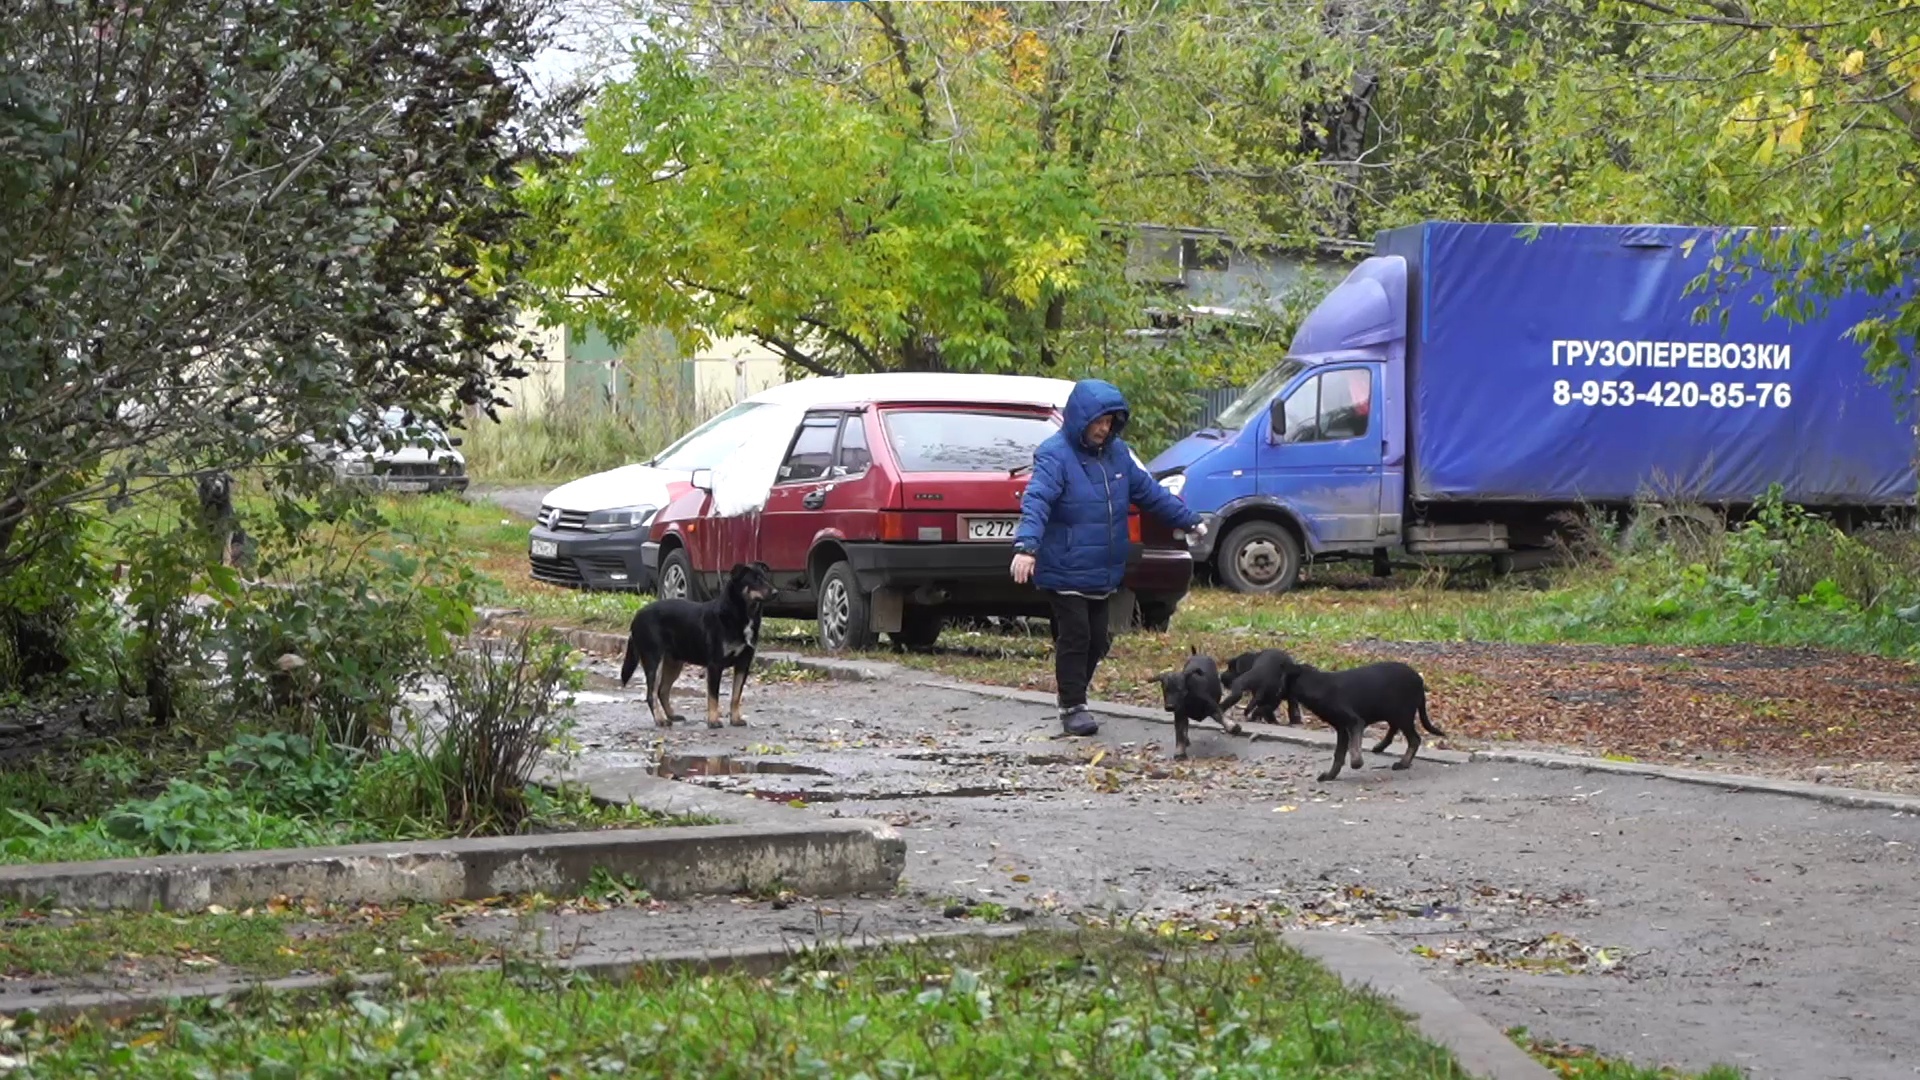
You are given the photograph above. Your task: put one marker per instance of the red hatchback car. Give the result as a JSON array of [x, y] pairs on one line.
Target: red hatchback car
[[892, 509]]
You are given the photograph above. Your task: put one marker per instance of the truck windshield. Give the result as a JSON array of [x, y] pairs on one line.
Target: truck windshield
[[965, 441], [710, 443], [1254, 401]]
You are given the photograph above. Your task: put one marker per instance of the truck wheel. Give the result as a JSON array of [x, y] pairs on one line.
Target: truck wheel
[[676, 577], [1259, 557], [1156, 616], [843, 617], [919, 629]]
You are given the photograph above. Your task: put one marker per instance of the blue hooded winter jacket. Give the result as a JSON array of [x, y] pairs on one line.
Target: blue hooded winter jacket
[[1073, 517]]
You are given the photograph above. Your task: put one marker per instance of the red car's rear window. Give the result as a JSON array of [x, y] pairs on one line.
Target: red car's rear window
[[956, 440]]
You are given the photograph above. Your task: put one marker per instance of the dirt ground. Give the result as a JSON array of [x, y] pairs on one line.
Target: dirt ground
[[1655, 920]]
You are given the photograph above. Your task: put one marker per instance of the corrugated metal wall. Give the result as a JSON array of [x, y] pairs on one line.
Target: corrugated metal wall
[[1214, 402]]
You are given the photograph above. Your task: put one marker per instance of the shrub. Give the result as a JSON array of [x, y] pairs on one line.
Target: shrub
[[498, 711], [334, 652]]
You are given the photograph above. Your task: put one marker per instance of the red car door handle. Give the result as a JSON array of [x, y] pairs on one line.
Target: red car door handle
[[815, 499]]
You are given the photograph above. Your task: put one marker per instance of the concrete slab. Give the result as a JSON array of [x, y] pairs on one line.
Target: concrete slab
[[759, 958], [814, 857]]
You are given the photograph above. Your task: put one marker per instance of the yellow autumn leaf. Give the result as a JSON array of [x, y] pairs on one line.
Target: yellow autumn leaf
[[1854, 63], [1877, 39], [1792, 133], [1763, 154]]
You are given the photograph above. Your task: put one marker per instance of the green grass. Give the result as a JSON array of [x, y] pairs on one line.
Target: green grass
[[1095, 1005], [271, 941]]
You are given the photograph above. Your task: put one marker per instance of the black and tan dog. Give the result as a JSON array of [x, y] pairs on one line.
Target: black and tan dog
[[1388, 692], [1261, 678], [1193, 693], [719, 635]]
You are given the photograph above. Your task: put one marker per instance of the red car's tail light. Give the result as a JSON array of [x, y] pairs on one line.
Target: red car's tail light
[[1133, 528], [893, 527]]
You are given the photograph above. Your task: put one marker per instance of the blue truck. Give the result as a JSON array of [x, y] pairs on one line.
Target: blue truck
[[1468, 385]]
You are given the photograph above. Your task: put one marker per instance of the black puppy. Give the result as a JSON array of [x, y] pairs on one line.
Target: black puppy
[[718, 634], [1261, 677], [1388, 692], [1193, 693], [221, 522]]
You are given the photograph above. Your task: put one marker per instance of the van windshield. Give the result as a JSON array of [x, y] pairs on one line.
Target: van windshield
[[707, 445], [1254, 401]]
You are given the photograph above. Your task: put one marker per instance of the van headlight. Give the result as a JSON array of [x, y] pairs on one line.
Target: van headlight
[[1174, 484], [625, 517]]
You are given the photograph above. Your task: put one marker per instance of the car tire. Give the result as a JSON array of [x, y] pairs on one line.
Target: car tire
[[842, 616], [1156, 616], [1259, 557], [919, 629], [677, 579]]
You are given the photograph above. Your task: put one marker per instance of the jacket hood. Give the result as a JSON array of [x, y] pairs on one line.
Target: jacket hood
[[1090, 400]]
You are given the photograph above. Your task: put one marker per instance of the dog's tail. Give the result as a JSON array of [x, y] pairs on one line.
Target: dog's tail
[[1425, 720], [632, 661]]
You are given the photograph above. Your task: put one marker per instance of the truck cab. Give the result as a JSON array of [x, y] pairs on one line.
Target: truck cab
[[1310, 459]]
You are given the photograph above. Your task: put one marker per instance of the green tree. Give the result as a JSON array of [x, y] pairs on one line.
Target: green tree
[[874, 186], [229, 223], [1800, 118]]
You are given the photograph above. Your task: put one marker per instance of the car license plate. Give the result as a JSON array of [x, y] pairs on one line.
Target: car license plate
[[993, 528], [544, 549], [406, 485]]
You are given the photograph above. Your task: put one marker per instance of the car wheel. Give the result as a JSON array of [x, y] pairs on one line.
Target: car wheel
[[919, 629], [1156, 616], [1259, 557], [676, 577], [842, 616]]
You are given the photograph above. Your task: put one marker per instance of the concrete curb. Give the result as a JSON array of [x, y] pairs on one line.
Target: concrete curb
[[865, 670], [1800, 789], [816, 858], [1361, 962], [752, 959]]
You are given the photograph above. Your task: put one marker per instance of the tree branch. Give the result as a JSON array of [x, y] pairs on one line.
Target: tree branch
[[904, 61]]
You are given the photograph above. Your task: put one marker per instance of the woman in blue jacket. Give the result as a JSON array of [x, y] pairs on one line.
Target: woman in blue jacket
[[1072, 542]]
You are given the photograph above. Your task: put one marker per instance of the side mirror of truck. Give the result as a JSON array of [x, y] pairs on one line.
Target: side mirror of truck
[[702, 479], [1277, 414]]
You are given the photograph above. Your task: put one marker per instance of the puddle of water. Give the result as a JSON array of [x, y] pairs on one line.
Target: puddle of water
[[728, 765]]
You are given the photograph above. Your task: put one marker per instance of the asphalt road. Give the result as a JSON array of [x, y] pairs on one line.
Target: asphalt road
[[524, 501], [1694, 925]]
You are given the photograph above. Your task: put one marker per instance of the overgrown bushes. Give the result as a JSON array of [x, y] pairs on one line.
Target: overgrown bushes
[[273, 709], [1784, 575]]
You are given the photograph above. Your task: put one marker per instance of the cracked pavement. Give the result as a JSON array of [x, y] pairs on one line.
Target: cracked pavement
[[1655, 920]]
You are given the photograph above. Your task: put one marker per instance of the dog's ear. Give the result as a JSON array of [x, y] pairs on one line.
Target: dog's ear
[[739, 571], [762, 567]]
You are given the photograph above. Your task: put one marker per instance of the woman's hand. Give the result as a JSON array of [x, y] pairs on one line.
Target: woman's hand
[[1022, 568]]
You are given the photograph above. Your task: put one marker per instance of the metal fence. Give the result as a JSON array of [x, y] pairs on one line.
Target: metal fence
[[1214, 402]]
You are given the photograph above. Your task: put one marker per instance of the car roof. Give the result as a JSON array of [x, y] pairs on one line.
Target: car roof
[[918, 386]]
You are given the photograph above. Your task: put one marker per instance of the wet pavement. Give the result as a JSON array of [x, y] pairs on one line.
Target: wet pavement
[[1656, 920]]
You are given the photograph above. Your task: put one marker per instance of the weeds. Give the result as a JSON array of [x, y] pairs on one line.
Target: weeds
[[498, 714], [1087, 1004], [651, 406]]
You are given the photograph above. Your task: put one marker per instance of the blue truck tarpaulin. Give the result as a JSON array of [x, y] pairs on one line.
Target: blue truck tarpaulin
[[1568, 366]]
